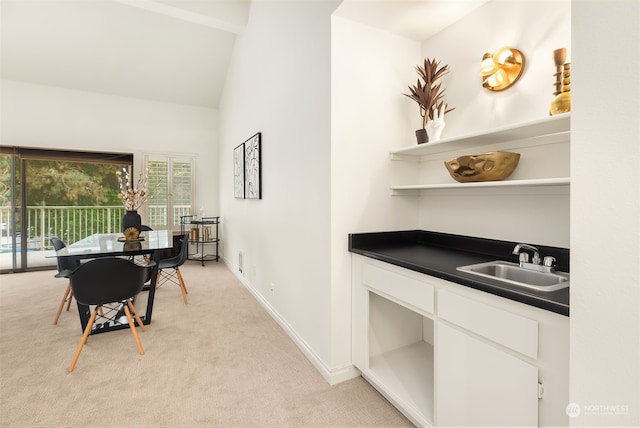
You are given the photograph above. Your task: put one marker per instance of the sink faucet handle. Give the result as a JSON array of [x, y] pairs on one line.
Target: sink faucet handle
[[549, 261], [523, 257]]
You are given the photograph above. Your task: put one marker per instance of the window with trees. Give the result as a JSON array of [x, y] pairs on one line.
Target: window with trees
[[62, 193]]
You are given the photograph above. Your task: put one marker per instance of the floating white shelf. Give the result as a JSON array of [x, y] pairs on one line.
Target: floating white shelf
[[521, 131], [551, 130], [560, 181]]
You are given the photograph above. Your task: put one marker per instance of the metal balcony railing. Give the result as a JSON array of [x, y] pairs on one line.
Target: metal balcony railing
[[72, 223]]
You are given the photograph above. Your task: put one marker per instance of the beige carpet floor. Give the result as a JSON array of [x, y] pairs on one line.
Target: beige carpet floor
[[218, 361]]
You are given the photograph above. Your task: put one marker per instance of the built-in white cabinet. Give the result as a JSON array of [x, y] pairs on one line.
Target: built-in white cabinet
[[544, 162], [448, 355], [393, 337], [401, 354], [484, 382], [479, 384]]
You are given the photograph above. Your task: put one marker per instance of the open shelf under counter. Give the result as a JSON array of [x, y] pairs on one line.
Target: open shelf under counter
[[520, 133], [408, 372], [537, 182]]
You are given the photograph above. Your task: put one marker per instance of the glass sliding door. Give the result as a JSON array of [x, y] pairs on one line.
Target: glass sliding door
[[47, 193], [10, 249]]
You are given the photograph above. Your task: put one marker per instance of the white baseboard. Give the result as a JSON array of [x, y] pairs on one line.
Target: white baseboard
[[331, 375]]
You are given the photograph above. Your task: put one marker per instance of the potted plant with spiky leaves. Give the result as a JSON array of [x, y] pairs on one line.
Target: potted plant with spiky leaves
[[429, 95]]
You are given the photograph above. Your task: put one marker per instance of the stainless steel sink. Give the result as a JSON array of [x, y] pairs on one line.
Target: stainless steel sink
[[512, 273]]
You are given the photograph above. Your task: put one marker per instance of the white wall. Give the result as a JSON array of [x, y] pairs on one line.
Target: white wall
[[368, 115], [605, 213], [279, 84], [539, 216], [51, 117], [536, 28]]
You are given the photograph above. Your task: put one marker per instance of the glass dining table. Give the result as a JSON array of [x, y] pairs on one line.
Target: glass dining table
[[150, 243]]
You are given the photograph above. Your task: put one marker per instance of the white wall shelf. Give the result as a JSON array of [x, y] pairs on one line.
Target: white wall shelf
[[539, 182], [537, 129], [542, 140]]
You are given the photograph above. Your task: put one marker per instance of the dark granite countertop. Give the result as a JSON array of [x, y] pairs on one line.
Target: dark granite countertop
[[439, 254]]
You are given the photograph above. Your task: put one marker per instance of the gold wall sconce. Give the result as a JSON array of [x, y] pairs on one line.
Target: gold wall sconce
[[502, 69]]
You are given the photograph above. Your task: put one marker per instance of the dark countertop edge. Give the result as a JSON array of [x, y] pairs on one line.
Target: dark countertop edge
[[373, 245]]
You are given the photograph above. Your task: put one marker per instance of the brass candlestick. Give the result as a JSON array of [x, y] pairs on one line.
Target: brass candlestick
[[562, 102]]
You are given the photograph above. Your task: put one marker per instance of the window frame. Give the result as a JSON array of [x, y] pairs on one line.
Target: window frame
[[170, 159]]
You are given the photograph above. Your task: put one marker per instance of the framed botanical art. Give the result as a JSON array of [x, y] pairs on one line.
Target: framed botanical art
[[252, 172], [238, 171]]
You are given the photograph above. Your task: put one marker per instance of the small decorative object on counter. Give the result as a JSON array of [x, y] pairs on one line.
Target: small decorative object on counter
[[491, 166], [131, 233], [428, 94], [562, 102]]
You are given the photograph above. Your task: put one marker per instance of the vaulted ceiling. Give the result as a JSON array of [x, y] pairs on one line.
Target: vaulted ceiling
[[171, 51], [174, 51]]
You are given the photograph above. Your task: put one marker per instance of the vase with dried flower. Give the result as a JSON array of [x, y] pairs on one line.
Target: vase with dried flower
[[132, 198], [429, 95]]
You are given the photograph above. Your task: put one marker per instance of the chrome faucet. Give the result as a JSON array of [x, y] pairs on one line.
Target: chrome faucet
[[548, 264], [524, 257]]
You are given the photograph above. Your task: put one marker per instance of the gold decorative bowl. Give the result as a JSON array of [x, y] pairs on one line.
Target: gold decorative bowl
[[491, 166]]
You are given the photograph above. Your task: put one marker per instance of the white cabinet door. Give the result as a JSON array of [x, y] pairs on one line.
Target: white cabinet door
[[479, 384]]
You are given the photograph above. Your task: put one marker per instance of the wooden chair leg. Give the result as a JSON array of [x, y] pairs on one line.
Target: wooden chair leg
[[182, 284], [135, 314], [70, 297], [183, 288], [66, 296], [134, 331], [158, 278], [83, 340]]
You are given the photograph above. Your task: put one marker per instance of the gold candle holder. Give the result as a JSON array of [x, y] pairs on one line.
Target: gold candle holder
[[562, 102]]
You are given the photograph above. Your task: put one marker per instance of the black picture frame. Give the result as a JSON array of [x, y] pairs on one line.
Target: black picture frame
[[253, 167]]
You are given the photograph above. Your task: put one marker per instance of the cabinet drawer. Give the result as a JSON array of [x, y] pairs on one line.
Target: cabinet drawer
[[401, 287], [508, 329]]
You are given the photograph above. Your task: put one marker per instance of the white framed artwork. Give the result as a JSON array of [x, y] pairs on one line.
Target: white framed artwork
[[238, 171]]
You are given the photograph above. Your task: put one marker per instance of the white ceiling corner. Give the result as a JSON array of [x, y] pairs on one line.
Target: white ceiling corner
[[413, 19]]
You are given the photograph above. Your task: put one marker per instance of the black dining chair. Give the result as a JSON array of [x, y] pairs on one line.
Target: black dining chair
[[107, 280], [169, 268], [66, 265]]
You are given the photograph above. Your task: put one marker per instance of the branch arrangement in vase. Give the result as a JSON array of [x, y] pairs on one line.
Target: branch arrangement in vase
[[132, 197]]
